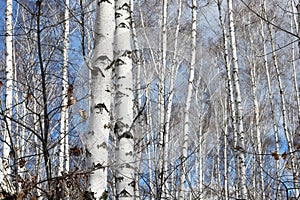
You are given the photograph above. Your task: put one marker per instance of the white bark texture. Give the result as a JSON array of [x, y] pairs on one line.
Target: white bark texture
[[229, 85], [125, 164], [240, 129], [225, 136], [5, 182], [67, 92], [100, 102], [230, 103], [186, 128], [161, 107]]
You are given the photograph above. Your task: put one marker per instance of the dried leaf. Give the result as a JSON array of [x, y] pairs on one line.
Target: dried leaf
[[16, 148], [275, 155], [287, 166], [83, 115], [29, 97], [284, 155], [22, 162], [75, 151]]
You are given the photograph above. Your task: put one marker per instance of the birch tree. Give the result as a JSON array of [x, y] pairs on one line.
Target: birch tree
[[160, 176], [99, 122], [67, 96], [6, 186], [238, 101], [67, 92], [125, 171], [184, 175]]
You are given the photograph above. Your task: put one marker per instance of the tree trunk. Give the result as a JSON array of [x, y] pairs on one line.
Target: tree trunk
[[100, 102], [125, 171], [275, 128], [161, 175], [240, 147], [67, 97], [186, 129], [6, 185]]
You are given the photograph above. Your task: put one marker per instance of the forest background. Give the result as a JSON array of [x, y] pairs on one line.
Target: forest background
[[149, 99]]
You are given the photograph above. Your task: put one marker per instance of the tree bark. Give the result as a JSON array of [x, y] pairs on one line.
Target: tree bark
[[100, 101], [240, 146], [186, 129], [125, 171], [5, 170]]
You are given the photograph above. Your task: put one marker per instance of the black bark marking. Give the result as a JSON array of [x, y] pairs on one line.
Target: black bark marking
[[124, 193], [102, 1], [127, 53], [130, 153], [103, 145], [120, 179], [127, 135], [119, 62], [126, 7], [123, 25], [91, 132], [117, 15], [100, 107], [87, 153], [96, 71], [98, 166], [132, 184]]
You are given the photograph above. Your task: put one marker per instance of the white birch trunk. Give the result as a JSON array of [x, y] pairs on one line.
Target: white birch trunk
[[183, 175], [232, 106], [67, 92], [6, 185], [100, 102], [225, 137], [64, 121], [161, 101], [240, 129], [125, 172]]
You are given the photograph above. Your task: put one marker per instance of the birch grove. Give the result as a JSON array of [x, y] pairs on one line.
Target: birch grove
[[124, 99]]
